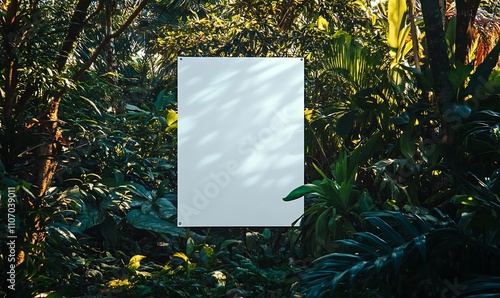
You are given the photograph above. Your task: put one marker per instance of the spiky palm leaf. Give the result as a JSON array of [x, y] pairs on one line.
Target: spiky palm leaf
[[480, 287], [388, 258], [353, 63]]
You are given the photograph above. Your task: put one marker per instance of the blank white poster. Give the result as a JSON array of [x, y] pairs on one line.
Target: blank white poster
[[240, 141]]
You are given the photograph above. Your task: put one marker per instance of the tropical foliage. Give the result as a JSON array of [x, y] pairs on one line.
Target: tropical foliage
[[402, 118]]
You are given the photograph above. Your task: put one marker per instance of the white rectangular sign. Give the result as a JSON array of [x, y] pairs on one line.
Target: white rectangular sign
[[240, 141]]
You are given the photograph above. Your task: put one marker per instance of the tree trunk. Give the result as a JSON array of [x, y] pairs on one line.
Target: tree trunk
[[10, 44], [437, 53], [47, 128], [48, 121], [110, 47], [466, 14], [413, 31], [16, 94], [440, 64], [117, 101]]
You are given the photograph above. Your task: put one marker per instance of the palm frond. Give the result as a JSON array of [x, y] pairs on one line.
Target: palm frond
[[352, 62], [480, 287], [385, 255], [394, 240]]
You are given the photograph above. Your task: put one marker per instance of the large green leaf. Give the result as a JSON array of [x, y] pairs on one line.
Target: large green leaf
[[345, 124], [374, 241], [166, 208], [386, 229], [321, 227], [373, 257], [397, 256], [303, 190], [406, 141], [359, 247], [396, 16], [152, 223], [481, 287]]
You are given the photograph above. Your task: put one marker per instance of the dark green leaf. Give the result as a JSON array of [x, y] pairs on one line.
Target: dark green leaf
[[358, 247], [421, 244], [345, 124], [374, 240], [189, 246], [355, 270], [152, 223], [303, 190], [406, 141], [266, 233], [167, 208], [228, 243], [397, 256], [386, 230]]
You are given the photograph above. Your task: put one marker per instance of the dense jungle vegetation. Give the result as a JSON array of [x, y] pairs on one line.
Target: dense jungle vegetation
[[402, 178]]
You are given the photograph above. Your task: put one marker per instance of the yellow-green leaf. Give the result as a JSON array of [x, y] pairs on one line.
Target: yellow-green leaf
[[308, 114], [171, 117], [115, 283], [135, 262], [396, 13], [322, 23], [181, 255], [465, 200]]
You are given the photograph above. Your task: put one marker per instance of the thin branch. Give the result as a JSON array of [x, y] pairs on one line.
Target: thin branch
[[414, 37], [74, 30], [100, 6], [106, 40], [77, 22]]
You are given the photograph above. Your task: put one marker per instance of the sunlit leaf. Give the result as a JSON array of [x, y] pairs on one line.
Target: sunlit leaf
[[396, 17], [135, 262], [322, 23], [172, 117], [119, 283], [181, 255]]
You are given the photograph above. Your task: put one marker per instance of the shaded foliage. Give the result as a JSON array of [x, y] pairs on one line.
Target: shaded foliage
[[403, 182]]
